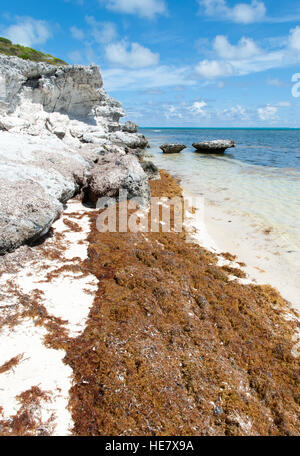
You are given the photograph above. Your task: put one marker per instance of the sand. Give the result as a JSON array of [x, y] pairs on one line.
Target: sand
[[68, 296], [220, 231]]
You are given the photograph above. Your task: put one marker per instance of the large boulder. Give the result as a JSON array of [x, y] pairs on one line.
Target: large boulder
[[69, 102], [27, 212], [133, 141], [115, 172], [172, 148], [73, 90], [214, 147], [36, 177]]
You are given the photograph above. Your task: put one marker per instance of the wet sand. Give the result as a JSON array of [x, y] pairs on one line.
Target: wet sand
[[219, 230]]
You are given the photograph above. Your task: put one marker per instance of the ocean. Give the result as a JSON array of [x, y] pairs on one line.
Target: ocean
[[255, 187]]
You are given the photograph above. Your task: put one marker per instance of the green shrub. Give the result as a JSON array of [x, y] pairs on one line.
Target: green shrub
[[27, 53], [5, 40], [24, 56]]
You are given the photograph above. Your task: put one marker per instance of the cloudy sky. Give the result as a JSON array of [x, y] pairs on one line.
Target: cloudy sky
[[189, 63]]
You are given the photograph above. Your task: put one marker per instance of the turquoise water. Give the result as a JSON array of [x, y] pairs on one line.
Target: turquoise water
[[277, 148], [258, 181]]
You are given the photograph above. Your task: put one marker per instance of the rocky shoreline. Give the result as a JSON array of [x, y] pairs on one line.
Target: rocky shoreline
[[59, 133], [119, 333]]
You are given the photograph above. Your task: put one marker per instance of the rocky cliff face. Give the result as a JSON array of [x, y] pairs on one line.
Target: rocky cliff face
[[55, 125]]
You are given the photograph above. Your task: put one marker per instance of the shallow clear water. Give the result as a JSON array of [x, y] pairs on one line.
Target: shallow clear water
[[259, 180]]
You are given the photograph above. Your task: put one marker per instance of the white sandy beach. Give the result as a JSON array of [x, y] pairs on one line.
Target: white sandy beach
[[68, 296], [220, 231]]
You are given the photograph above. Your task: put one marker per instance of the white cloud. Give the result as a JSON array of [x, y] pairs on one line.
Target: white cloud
[[183, 110], [283, 104], [210, 69], [294, 40], [131, 56], [247, 57], [235, 112], [213, 7], [172, 112], [77, 33], [102, 32], [198, 108], [147, 78], [144, 8], [247, 14], [28, 31], [242, 13], [267, 113], [245, 48]]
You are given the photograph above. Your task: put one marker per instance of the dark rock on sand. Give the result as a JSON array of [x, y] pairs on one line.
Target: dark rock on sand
[[214, 147], [113, 173], [172, 148], [28, 216], [151, 170]]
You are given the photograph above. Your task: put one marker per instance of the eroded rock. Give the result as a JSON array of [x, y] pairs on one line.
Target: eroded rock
[[172, 148], [214, 147], [27, 215], [56, 125], [114, 172]]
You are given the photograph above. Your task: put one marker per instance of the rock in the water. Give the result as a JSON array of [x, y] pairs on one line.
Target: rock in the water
[[172, 148], [214, 147]]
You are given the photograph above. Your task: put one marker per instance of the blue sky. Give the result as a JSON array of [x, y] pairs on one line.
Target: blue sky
[[192, 63]]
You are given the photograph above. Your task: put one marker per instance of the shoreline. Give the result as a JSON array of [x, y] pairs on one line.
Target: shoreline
[[220, 128], [250, 203], [76, 345], [182, 333], [121, 333], [261, 262]]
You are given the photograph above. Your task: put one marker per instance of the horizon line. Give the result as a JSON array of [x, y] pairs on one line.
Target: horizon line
[[222, 128]]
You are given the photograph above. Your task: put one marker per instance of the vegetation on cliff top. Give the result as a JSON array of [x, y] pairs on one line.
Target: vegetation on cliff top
[[27, 53]]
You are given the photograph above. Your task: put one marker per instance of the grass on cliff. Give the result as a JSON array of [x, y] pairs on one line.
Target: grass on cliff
[[27, 53]]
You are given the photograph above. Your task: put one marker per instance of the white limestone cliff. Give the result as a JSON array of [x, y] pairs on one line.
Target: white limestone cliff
[[55, 123]]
